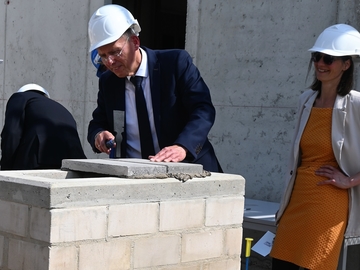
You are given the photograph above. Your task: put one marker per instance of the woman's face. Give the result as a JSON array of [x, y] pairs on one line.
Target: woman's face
[[329, 68]]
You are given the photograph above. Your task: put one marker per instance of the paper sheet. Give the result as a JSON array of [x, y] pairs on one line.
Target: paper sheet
[[264, 245]]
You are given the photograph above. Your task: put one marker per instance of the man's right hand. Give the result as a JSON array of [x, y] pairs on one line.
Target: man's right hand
[[101, 138]]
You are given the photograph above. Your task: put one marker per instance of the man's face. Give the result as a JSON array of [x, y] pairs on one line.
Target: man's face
[[122, 57]]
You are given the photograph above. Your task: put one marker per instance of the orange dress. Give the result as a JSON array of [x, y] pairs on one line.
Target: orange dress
[[311, 230]]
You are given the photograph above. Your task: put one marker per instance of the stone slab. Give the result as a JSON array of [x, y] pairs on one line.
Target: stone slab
[[130, 168], [58, 189], [171, 167]]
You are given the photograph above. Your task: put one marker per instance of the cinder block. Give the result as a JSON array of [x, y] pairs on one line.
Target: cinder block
[[130, 219], [157, 251], [233, 241], [175, 215], [1, 249], [113, 255], [224, 211], [230, 264], [200, 246], [63, 257], [33, 256], [40, 224], [87, 223], [14, 217]]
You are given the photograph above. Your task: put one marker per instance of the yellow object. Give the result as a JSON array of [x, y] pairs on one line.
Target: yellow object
[[248, 246]]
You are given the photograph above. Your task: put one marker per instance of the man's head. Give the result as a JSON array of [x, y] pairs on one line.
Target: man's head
[[113, 31]]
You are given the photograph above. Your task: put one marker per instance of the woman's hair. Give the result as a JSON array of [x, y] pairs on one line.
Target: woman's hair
[[346, 81]]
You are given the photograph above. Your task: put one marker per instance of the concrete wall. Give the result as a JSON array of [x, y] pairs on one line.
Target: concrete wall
[[252, 54]]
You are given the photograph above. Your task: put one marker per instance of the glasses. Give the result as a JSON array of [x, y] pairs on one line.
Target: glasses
[[105, 59], [327, 59]]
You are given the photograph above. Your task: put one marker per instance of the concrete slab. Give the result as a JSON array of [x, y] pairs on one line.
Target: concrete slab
[[130, 168], [171, 167], [114, 167], [55, 189]]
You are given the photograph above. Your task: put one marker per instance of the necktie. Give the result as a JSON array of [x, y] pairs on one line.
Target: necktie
[[146, 142]]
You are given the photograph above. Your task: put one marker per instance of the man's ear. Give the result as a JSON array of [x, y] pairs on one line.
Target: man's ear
[[136, 41]]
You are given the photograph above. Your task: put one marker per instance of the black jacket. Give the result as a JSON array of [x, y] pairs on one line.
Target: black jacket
[[38, 133]]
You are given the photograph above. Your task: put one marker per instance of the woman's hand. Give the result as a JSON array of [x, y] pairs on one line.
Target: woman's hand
[[336, 177]]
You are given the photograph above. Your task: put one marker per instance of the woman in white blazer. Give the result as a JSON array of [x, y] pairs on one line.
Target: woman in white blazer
[[321, 200]]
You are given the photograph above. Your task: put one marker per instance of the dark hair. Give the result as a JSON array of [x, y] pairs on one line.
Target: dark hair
[[346, 81]]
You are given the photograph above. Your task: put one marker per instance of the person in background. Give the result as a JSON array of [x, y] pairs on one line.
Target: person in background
[[321, 202], [38, 132], [166, 115], [96, 61]]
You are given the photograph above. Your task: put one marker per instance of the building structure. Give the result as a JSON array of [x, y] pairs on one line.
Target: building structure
[[253, 56]]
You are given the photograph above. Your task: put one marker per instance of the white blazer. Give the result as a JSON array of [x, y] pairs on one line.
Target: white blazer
[[345, 135]]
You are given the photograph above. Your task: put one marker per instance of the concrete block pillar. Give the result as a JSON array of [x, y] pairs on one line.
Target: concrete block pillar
[[120, 214]]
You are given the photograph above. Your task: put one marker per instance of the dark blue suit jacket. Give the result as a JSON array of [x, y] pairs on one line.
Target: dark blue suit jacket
[[38, 133], [182, 107]]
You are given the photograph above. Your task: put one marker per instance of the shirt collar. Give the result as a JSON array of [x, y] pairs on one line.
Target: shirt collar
[[143, 70]]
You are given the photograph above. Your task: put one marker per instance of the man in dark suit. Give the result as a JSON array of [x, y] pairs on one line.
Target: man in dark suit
[[38, 132], [178, 102]]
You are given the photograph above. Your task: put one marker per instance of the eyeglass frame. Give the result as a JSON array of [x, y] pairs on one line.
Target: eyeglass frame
[[105, 59], [327, 59]]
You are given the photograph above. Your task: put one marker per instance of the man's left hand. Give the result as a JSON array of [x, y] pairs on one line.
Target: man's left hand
[[174, 153]]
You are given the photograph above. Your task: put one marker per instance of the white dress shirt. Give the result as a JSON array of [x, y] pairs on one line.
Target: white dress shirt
[[133, 138]]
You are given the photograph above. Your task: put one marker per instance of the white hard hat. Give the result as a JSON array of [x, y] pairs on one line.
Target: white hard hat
[[108, 24], [33, 86], [338, 40]]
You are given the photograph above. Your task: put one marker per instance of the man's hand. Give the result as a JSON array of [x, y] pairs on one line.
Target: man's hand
[[174, 153], [101, 138]]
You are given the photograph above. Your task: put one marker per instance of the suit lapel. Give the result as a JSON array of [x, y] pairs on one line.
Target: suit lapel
[[155, 86]]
